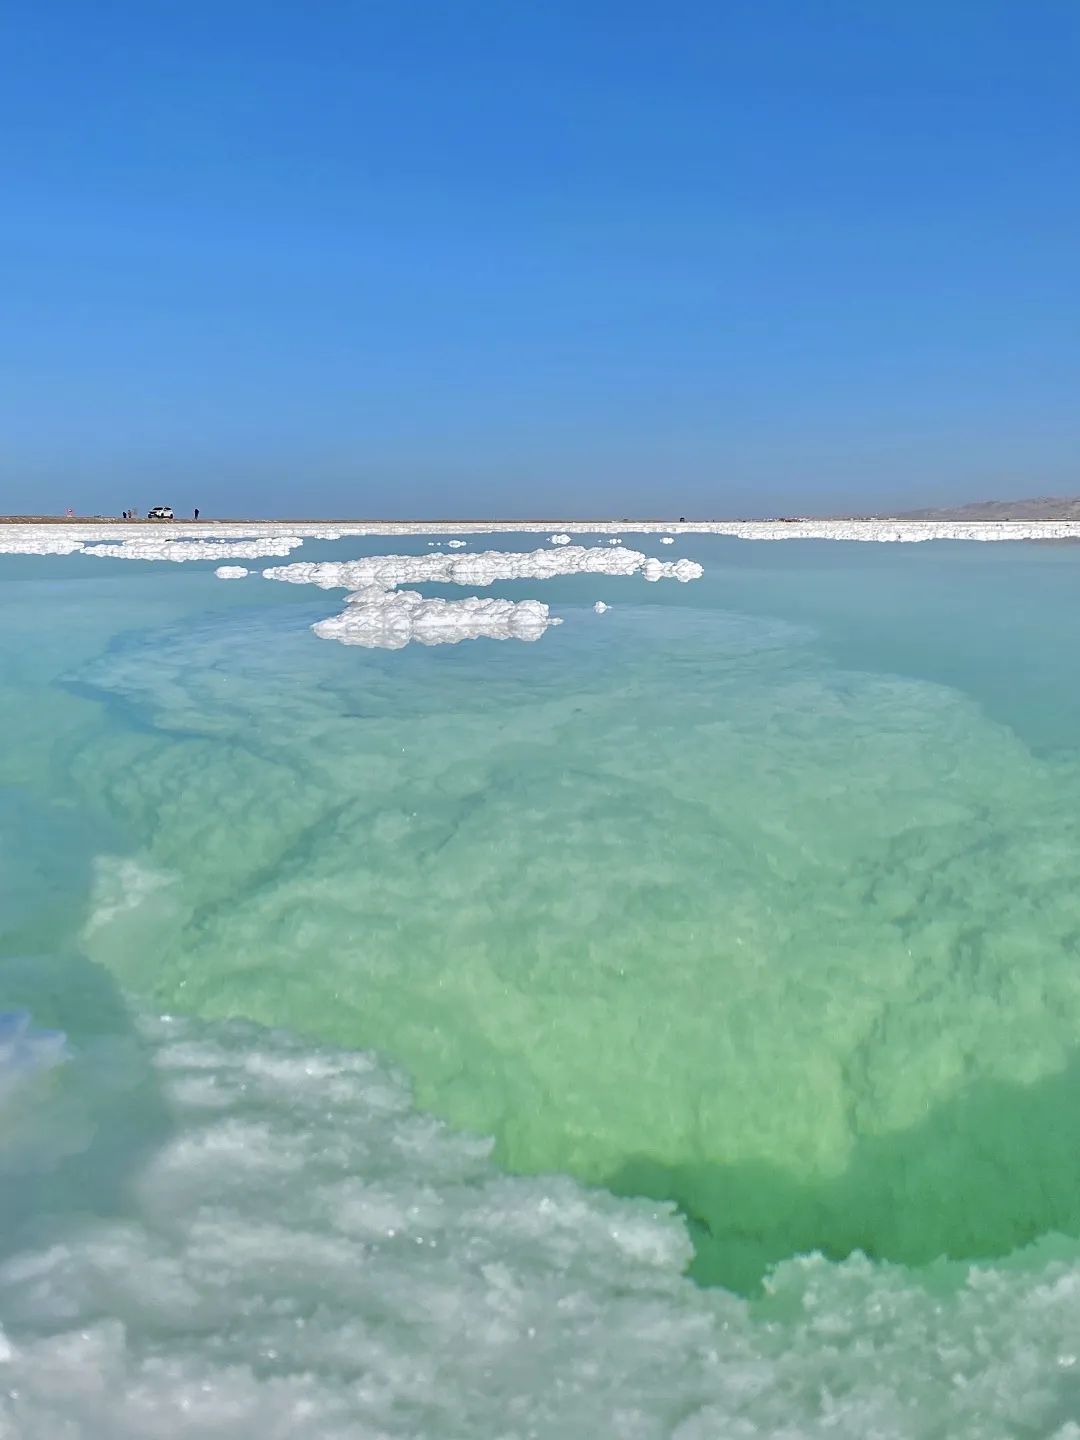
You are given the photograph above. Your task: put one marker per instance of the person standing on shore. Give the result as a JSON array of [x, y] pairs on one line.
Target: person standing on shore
[[196, 512]]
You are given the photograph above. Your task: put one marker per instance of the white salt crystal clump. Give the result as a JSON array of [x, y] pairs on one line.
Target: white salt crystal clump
[[600, 607], [389, 619], [486, 567], [231, 572], [50, 539], [667, 540], [380, 616], [36, 543], [155, 548], [560, 539], [683, 570], [456, 544]]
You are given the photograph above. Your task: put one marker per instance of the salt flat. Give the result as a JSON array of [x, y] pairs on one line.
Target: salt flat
[[144, 539]]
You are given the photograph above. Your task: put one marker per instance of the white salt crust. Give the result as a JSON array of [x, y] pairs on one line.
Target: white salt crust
[[486, 567], [70, 539], [301, 1253], [378, 615]]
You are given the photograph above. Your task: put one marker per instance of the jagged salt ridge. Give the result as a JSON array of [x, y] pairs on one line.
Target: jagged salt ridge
[[484, 568], [379, 615]]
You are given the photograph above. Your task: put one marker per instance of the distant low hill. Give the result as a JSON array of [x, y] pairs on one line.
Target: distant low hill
[[1047, 507]]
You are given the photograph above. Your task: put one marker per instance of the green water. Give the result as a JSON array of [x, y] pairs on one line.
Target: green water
[[760, 894]]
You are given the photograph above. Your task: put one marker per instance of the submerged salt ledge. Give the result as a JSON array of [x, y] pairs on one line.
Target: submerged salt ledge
[[379, 615]]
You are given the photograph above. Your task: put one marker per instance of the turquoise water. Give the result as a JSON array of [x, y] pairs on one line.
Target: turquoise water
[[745, 916]]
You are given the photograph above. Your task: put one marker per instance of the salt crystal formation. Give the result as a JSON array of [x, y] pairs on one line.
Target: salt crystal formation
[[378, 615]]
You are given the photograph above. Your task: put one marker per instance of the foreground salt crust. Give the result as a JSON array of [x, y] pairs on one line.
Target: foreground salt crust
[[380, 616], [300, 1252]]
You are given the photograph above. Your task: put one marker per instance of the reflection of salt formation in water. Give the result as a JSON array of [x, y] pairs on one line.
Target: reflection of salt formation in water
[[380, 616], [24, 1050], [180, 550]]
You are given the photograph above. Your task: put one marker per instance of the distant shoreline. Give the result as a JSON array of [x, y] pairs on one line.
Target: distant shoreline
[[68, 534], [702, 525], [1040, 510]]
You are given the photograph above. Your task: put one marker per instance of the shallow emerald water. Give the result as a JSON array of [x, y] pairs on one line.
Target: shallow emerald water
[[759, 894]]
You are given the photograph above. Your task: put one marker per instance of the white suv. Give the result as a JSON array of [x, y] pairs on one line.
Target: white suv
[[160, 512]]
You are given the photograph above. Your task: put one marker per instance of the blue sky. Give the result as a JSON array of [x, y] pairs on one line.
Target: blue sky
[[410, 258]]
